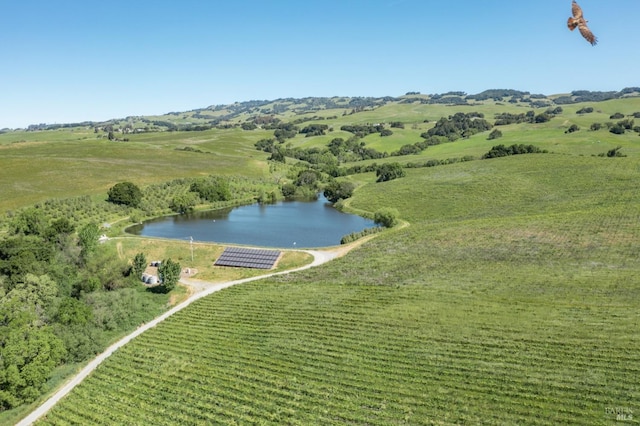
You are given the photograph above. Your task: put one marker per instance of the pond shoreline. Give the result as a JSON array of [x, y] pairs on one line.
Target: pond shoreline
[[285, 224]]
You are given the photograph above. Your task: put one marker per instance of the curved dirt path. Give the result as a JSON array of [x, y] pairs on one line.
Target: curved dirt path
[[201, 289]]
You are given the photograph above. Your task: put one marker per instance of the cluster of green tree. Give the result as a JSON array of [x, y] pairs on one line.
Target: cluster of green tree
[[389, 171], [201, 116], [619, 128], [612, 153], [497, 94], [450, 93], [170, 126], [417, 147], [78, 210], [362, 130], [284, 131], [315, 130], [357, 169], [539, 104], [305, 185], [209, 189], [578, 96], [448, 100], [62, 298], [459, 125], [414, 100], [266, 145], [503, 151], [213, 188], [248, 125], [306, 119], [585, 110], [266, 121], [505, 118], [352, 149], [338, 151], [245, 107], [276, 108]]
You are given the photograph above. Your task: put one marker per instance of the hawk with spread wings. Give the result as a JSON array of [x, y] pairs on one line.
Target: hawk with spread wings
[[577, 20]]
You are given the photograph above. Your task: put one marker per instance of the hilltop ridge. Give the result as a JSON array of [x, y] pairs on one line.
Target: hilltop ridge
[[233, 115]]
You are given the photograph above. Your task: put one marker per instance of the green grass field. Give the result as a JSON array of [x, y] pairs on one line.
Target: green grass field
[[55, 165], [511, 298], [35, 166]]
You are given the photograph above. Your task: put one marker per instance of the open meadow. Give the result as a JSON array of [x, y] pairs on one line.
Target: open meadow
[[511, 296]]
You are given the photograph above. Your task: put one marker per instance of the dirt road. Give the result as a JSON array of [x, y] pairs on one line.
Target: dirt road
[[200, 289]]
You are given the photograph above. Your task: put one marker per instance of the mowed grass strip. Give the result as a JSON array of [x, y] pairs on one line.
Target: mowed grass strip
[[512, 297]]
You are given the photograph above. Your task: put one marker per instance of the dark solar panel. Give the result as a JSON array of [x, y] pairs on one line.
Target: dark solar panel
[[248, 258]]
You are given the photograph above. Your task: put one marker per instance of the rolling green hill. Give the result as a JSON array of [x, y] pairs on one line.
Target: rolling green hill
[[79, 160], [510, 298]]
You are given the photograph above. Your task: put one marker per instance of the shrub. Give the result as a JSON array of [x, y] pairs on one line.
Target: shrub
[[572, 128], [386, 216], [169, 273], [288, 190], [617, 129], [615, 152], [389, 171], [503, 151], [495, 134], [354, 236]]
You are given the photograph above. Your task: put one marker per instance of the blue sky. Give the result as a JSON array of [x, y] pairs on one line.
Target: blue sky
[[68, 60]]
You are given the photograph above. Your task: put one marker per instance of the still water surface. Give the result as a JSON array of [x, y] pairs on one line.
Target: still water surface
[[285, 224]]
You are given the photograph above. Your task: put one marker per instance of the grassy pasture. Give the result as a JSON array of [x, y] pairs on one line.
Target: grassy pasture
[[56, 165], [511, 298], [35, 166]]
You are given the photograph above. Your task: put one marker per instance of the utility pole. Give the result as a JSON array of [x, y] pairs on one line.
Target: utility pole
[[191, 245]]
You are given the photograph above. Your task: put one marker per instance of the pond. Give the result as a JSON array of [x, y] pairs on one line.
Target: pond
[[286, 224]]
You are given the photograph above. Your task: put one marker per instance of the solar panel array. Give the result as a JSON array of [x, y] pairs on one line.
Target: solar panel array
[[248, 258]]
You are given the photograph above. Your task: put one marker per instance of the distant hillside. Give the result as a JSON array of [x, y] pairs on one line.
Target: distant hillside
[[258, 112]]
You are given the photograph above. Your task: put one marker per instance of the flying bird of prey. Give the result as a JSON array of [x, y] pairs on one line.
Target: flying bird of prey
[[577, 20]]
